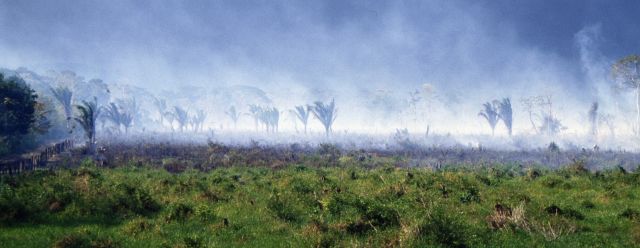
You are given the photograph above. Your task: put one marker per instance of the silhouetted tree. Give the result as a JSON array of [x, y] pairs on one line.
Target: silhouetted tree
[[326, 114], [181, 116], [198, 120], [64, 95], [302, 112], [490, 113], [113, 114], [127, 120], [234, 115], [88, 113], [626, 71], [505, 113], [161, 107], [593, 118], [551, 125], [255, 112]]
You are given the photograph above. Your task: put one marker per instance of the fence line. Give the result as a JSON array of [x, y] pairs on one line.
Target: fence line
[[35, 160]]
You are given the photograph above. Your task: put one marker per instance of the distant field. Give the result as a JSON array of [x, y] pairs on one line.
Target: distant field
[[299, 205]]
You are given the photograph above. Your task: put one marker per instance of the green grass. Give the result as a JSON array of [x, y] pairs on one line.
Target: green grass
[[301, 206]]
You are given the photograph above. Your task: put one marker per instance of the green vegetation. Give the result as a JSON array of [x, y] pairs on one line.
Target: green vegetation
[[306, 206], [17, 112]]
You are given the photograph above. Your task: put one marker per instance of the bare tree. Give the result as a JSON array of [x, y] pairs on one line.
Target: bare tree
[[551, 125], [490, 113], [505, 113], [64, 95], [626, 71], [234, 115], [326, 114], [302, 113]]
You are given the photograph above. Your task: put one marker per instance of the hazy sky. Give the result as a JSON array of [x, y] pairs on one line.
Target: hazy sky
[[308, 41], [493, 48]]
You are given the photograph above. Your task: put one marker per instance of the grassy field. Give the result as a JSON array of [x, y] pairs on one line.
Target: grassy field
[[308, 206]]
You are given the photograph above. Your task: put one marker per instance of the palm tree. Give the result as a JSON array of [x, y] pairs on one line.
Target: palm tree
[[505, 113], [161, 106], [64, 95], [326, 114], [255, 111], [234, 115], [89, 112], [132, 107], [170, 117], [181, 116], [112, 112], [593, 118], [272, 119], [198, 120], [302, 112], [126, 119], [490, 113], [627, 74]]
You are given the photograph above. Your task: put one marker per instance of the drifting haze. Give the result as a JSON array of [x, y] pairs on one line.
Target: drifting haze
[[367, 55]]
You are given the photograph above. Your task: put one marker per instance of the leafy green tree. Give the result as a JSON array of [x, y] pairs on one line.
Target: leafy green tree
[[626, 72], [17, 111], [88, 113], [326, 114]]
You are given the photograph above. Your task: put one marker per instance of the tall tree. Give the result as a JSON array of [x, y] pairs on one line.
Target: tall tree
[[127, 120], [326, 114], [64, 95], [505, 112], [88, 113], [302, 112], [113, 114], [17, 111], [198, 120], [626, 72], [181, 116], [161, 107], [255, 111], [234, 115], [490, 113], [593, 118]]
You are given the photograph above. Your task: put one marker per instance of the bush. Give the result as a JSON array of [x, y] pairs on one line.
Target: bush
[[137, 226], [85, 239], [443, 230], [178, 212], [630, 214], [128, 199], [283, 209]]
